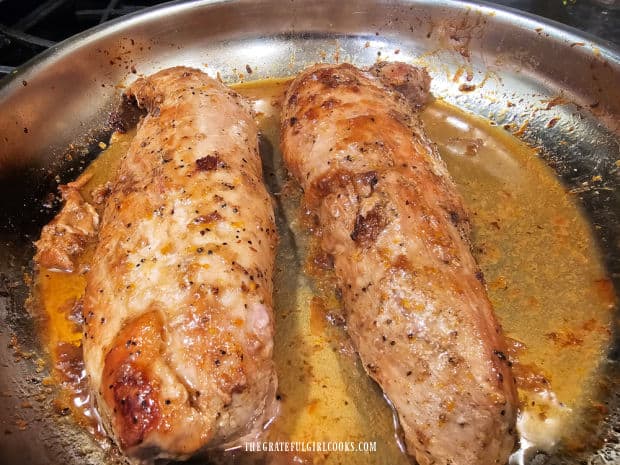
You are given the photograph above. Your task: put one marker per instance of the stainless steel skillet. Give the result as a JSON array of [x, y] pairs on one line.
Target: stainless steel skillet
[[55, 108]]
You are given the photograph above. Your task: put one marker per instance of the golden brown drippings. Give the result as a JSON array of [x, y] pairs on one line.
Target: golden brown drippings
[[57, 296], [542, 268]]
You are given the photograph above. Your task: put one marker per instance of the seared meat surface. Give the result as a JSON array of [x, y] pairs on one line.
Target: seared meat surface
[[415, 304], [68, 234], [178, 334]]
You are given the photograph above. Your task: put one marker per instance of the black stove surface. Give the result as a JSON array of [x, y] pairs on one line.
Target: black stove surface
[[27, 27]]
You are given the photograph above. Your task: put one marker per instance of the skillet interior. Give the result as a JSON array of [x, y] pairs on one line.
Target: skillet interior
[[65, 97]]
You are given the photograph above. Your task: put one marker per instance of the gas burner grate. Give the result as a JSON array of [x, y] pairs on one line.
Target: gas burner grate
[[28, 27]]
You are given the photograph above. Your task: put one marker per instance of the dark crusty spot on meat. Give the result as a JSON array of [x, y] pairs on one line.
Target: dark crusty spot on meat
[[365, 183], [208, 163], [368, 178], [136, 404], [333, 182], [413, 83], [367, 227], [333, 78], [209, 218], [132, 390], [338, 180]]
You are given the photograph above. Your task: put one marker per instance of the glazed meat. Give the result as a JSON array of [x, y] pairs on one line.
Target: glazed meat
[[415, 304], [178, 333]]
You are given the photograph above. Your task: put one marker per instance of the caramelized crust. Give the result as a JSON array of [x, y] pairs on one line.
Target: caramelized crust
[[129, 387]]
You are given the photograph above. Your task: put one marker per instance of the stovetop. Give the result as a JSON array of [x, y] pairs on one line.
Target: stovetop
[[27, 27]]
